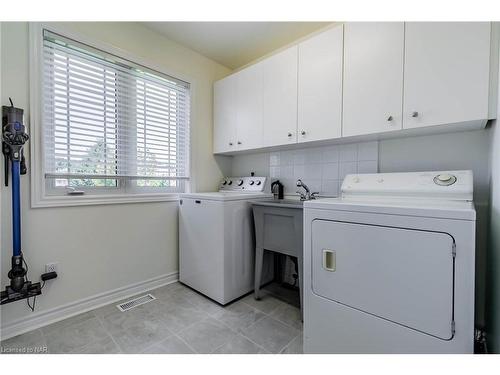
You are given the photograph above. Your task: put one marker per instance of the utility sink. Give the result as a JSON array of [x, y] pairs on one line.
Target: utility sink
[[278, 228], [278, 225]]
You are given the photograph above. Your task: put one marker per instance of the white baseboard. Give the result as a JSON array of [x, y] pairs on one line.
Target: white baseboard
[[47, 317]]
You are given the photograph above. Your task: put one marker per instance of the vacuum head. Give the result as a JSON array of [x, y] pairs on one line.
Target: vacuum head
[[20, 287], [27, 291]]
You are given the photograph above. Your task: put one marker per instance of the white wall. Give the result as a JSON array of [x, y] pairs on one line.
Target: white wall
[[322, 169], [102, 248]]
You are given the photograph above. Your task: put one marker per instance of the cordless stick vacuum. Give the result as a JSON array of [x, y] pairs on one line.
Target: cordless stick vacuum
[[13, 139]]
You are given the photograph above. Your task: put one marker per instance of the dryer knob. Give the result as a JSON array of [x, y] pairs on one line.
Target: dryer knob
[[258, 183], [230, 182], [252, 182], [240, 182], [445, 179]]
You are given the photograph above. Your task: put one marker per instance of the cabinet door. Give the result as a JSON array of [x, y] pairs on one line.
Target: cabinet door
[[373, 77], [280, 98], [446, 72], [320, 86], [249, 107], [225, 115]]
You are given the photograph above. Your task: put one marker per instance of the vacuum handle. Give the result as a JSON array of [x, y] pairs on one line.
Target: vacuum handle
[[6, 170], [23, 168]]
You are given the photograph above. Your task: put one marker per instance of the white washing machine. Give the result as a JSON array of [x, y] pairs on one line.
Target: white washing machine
[[389, 266], [216, 238]]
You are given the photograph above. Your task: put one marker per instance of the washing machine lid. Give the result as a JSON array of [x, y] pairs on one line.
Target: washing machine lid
[[225, 196], [440, 194]]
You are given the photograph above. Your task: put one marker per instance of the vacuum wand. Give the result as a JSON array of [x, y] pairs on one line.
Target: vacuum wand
[[14, 138]]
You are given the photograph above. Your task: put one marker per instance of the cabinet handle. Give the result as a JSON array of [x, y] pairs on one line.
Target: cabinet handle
[[390, 118], [230, 143], [239, 142], [303, 132], [414, 114], [289, 134]]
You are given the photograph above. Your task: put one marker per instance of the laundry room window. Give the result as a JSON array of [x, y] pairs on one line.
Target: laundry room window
[[110, 126]]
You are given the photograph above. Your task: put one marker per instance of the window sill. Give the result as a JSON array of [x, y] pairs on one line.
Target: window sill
[[92, 200]]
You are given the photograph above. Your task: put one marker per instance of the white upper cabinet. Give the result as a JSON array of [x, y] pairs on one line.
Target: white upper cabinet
[[446, 73], [373, 77], [249, 107], [320, 86], [225, 115], [280, 98], [361, 79]]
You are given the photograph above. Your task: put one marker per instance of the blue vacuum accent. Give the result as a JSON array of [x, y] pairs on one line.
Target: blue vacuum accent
[[16, 208]]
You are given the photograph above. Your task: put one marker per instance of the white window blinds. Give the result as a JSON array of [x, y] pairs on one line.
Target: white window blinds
[[109, 122]]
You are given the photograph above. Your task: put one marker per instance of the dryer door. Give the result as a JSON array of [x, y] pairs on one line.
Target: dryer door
[[401, 275]]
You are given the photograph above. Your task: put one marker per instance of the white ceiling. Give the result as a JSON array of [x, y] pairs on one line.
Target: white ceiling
[[234, 44]]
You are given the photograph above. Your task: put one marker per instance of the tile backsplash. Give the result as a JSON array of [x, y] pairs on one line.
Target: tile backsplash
[[322, 168]]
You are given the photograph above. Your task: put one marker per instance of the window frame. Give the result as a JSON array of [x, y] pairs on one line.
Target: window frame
[[40, 195]]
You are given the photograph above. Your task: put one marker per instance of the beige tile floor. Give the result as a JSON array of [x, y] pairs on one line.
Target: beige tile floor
[[180, 320]]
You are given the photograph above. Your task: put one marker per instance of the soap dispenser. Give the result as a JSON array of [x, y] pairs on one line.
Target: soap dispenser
[[277, 189]]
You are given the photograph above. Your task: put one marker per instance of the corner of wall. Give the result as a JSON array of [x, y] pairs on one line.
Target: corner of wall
[[493, 255]]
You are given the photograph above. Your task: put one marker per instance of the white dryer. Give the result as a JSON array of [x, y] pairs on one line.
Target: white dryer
[[389, 266], [216, 238]]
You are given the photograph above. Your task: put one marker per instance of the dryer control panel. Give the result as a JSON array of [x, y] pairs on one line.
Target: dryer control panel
[[443, 185]]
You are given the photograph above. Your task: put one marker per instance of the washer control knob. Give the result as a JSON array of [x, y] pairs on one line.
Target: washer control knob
[[445, 179], [230, 182], [252, 182], [258, 183], [225, 182], [240, 182]]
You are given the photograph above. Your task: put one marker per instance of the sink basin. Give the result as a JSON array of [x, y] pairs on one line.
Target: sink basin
[[289, 203]]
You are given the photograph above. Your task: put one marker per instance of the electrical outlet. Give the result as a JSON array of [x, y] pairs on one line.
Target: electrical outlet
[[50, 267]]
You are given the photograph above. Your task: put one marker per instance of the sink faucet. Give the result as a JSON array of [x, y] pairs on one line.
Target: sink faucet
[[308, 195]]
